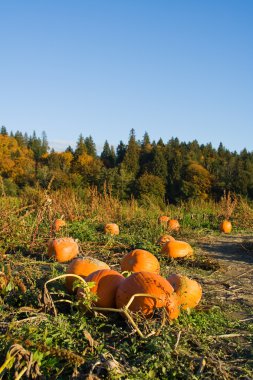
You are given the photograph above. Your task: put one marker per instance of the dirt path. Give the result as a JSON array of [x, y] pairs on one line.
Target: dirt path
[[235, 276]]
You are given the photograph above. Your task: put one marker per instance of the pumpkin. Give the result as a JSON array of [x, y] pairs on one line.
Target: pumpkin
[[173, 225], [62, 249], [111, 228], [176, 249], [163, 220], [147, 283], [164, 239], [189, 291], [106, 284], [140, 260], [82, 266], [58, 224], [226, 226]]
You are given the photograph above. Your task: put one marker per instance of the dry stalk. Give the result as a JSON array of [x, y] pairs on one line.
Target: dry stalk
[[50, 304], [47, 299], [227, 204]]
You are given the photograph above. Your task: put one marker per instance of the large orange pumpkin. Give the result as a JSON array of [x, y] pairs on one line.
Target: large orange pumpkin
[[83, 266], [164, 239], [147, 283], [163, 220], [58, 224], [189, 291], [173, 225], [176, 249], [140, 260], [106, 284], [62, 249], [226, 226]]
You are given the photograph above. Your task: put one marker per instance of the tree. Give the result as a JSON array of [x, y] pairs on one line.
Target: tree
[[196, 181], [3, 131], [38, 146], [120, 152], [80, 147], [90, 146], [108, 155], [158, 166], [151, 186], [132, 155]]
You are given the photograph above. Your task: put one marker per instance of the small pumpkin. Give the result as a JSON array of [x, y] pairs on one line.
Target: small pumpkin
[[140, 260], [106, 284], [226, 226], [173, 225], [111, 229], [147, 283], [164, 239], [189, 291], [62, 249], [163, 220], [58, 224], [177, 249], [82, 266]]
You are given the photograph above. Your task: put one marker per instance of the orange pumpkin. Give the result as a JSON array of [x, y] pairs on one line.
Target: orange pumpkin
[[106, 284], [173, 225], [82, 266], [62, 249], [111, 228], [176, 249], [147, 283], [58, 224], [140, 260], [189, 291], [163, 220], [164, 239], [226, 226]]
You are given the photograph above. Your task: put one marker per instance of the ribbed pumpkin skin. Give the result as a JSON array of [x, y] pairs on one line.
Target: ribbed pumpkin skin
[[163, 220], [173, 225], [111, 228], [58, 224], [164, 239], [176, 249], [83, 266], [226, 226], [150, 283], [106, 284], [140, 260], [189, 291], [62, 249]]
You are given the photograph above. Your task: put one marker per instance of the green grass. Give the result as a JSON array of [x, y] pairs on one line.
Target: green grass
[[74, 344]]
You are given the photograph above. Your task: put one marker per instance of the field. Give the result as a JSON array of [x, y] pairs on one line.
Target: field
[[56, 338]]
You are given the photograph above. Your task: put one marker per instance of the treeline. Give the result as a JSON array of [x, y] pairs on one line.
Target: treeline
[[162, 171]]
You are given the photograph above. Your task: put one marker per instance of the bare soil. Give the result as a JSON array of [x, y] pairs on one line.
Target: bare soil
[[233, 281]]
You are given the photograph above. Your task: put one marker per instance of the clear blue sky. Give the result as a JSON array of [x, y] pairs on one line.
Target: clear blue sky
[[181, 68]]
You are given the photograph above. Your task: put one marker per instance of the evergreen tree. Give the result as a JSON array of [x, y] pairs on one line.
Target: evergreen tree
[[145, 140], [120, 152], [158, 165], [80, 146], [38, 146], [90, 146], [20, 138], [132, 156], [108, 155], [3, 131]]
